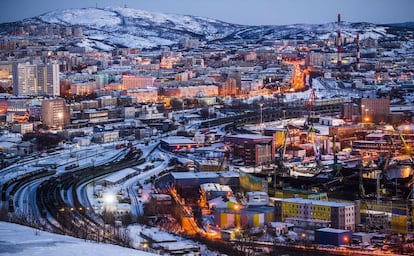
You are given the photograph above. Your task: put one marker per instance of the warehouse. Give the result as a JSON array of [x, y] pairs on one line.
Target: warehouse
[[333, 236]]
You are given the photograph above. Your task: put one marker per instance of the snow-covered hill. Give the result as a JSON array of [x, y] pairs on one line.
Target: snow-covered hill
[[137, 28], [317, 31], [109, 27]]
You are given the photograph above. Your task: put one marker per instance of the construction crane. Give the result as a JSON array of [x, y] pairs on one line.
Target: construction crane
[[406, 148], [336, 166], [309, 105], [282, 149], [362, 193]]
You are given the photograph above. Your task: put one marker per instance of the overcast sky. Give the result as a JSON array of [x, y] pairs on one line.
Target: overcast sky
[[249, 12]]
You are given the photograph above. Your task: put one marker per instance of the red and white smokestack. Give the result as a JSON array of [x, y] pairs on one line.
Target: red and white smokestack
[[358, 49], [339, 41]]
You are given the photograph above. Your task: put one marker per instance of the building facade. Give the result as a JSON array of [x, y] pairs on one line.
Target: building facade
[[254, 149], [137, 82], [375, 110], [36, 79], [339, 215], [55, 113]]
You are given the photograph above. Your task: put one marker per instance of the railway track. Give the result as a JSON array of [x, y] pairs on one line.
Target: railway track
[[69, 214]]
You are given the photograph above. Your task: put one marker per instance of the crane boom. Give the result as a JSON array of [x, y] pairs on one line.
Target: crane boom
[[309, 104]]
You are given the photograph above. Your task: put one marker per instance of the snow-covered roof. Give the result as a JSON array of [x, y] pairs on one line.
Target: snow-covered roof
[[406, 127], [280, 224], [178, 140], [375, 135], [218, 201], [157, 236], [333, 230], [249, 136], [317, 202], [177, 246], [5, 144], [13, 139], [215, 187], [257, 193], [117, 176], [196, 175]]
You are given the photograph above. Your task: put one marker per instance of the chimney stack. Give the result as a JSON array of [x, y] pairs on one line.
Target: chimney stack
[[339, 41]]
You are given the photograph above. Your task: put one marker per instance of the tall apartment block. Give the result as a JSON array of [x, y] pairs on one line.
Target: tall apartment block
[[35, 79], [55, 113]]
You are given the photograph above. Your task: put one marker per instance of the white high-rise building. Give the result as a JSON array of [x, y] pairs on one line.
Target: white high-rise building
[[36, 79]]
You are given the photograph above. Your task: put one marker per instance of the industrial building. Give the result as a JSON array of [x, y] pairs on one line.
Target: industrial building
[[333, 236], [253, 148], [212, 190], [191, 181], [178, 143], [290, 192], [246, 217], [308, 212]]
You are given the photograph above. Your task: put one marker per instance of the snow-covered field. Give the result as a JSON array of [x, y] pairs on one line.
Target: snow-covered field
[[19, 240]]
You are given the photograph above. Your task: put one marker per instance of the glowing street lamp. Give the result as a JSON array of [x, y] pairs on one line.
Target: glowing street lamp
[[346, 240], [109, 199], [366, 115], [362, 113], [303, 235], [261, 114]]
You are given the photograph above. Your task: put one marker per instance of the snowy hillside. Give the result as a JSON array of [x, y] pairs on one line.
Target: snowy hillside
[[316, 31], [136, 28], [19, 240], [106, 28]]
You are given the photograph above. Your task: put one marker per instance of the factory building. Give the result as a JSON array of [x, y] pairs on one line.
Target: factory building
[[306, 212]]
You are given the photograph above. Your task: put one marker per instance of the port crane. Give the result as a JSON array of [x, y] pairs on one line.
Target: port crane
[[309, 105]]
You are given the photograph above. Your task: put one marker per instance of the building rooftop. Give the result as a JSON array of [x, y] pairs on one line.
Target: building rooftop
[[196, 175], [333, 230], [249, 136], [317, 202], [177, 140], [215, 187]]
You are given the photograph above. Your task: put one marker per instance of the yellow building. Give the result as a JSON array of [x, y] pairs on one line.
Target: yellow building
[[341, 215]]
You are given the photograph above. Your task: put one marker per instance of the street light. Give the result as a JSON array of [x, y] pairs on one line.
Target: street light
[[362, 113], [236, 217], [366, 115], [109, 199], [261, 114], [346, 240]]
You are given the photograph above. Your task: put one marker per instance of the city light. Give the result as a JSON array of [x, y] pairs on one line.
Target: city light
[[346, 240], [109, 199], [161, 123]]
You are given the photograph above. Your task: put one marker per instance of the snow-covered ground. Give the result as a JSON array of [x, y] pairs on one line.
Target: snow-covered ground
[[19, 240]]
